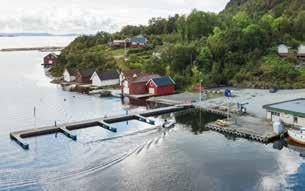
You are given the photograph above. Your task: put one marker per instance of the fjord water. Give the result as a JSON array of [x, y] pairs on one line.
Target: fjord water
[[138, 157]]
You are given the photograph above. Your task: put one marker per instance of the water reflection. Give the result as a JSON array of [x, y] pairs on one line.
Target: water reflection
[[196, 119]]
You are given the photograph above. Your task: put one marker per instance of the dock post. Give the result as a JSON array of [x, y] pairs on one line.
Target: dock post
[[107, 126], [68, 133], [145, 120], [19, 141]]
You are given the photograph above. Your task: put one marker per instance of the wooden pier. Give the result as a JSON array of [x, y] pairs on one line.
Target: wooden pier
[[247, 127], [104, 122]]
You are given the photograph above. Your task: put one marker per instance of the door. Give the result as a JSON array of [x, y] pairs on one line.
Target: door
[[151, 90]]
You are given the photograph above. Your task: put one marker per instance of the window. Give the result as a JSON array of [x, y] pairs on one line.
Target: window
[[295, 119], [275, 113]]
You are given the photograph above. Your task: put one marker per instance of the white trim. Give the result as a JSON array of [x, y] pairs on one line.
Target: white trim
[[152, 81]]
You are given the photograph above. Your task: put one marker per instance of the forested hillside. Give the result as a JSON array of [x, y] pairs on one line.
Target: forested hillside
[[236, 47]]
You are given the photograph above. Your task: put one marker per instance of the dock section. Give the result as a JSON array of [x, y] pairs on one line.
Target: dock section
[[104, 122], [246, 127]]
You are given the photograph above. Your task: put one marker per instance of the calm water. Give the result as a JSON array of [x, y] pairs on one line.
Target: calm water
[[138, 157]]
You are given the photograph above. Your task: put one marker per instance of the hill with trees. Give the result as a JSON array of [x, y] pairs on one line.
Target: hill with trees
[[235, 47]]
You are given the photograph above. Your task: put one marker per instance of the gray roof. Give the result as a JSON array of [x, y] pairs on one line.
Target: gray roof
[[71, 71], [294, 107], [163, 81], [108, 75], [146, 77], [86, 72]]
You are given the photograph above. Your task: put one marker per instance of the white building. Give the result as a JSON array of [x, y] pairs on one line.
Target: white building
[[106, 78], [69, 75], [301, 52], [283, 50], [290, 112]]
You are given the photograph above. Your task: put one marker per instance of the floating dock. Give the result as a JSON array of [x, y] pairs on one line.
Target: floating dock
[[104, 122], [247, 127]]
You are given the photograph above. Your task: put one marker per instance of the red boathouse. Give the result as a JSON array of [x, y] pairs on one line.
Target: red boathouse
[[161, 86], [49, 60]]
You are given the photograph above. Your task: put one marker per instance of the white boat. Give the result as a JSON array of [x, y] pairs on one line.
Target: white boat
[[297, 136], [168, 123]]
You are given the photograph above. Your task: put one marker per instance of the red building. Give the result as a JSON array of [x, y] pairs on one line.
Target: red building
[[161, 86], [49, 60], [84, 75], [137, 84]]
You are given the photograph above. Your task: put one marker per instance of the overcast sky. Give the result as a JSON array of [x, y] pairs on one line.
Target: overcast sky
[[90, 16]]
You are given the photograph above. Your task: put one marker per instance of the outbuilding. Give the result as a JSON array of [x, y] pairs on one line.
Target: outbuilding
[[139, 40], [283, 50], [118, 43], [161, 86], [84, 75], [137, 86], [69, 74], [301, 52], [49, 60], [291, 112], [105, 78]]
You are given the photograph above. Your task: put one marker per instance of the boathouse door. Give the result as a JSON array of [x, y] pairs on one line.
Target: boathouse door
[[151, 90]]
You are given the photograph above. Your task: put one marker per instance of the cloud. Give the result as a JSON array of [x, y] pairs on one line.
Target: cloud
[[80, 16]]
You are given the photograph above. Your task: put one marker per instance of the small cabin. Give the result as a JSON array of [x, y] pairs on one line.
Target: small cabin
[[84, 75], [161, 86], [105, 78], [301, 52], [139, 40], [49, 60], [118, 43], [69, 74], [283, 50]]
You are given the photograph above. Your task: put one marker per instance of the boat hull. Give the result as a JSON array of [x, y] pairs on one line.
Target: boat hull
[[296, 136]]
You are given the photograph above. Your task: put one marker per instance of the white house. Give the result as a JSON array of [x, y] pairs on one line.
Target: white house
[[301, 52], [69, 75], [283, 50], [105, 78], [291, 112]]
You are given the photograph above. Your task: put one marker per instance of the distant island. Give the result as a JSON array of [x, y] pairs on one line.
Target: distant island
[[35, 34]]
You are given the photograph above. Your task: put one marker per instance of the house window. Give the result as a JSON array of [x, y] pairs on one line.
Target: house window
[[275, 113], [295, 119]]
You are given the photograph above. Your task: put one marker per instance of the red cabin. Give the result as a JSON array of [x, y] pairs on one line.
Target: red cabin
[[137, 85], [49, 60], [84, 75], [161, 86]]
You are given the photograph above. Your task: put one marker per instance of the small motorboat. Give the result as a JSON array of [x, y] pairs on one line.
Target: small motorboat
[[297, 136], [273, 90], [168, 123]]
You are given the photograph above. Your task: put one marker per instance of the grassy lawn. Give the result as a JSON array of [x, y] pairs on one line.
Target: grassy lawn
[[117, 52]]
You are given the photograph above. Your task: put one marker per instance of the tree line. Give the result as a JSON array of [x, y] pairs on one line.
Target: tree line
[[231, 48]]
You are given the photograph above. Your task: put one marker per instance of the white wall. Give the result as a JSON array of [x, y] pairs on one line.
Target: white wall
[[125, 87], [67, 77], [282, 49], [287, 119], [97, 82]]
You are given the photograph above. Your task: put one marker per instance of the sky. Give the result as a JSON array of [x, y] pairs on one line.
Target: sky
[[90, 16]]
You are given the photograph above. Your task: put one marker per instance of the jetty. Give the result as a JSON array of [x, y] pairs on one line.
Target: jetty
[[246, 127], [239, 124], [104, 122], [42, 49]]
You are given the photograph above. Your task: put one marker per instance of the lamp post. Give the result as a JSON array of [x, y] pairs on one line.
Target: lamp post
[[200, 98]]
